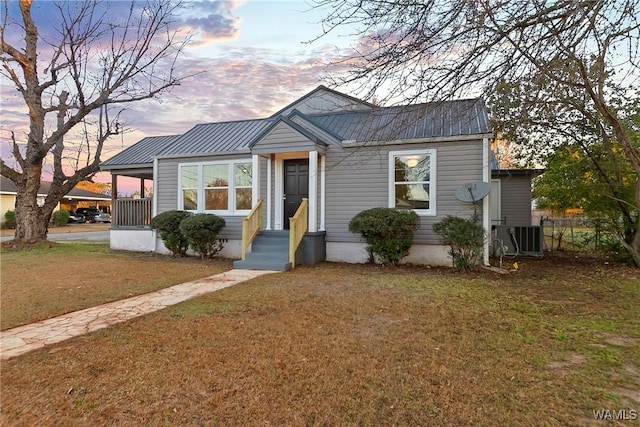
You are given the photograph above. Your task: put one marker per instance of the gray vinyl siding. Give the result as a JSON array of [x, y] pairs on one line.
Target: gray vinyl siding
[[283, 139], [358, 179], [167, 189], [515, 194]]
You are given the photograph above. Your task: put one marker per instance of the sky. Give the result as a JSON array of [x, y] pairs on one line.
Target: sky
[[254, 57]]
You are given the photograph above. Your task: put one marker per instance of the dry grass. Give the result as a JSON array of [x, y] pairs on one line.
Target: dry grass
[[354, 345], [56, 278]]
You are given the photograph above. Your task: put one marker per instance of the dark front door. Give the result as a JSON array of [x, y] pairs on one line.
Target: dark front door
[[296, 186]]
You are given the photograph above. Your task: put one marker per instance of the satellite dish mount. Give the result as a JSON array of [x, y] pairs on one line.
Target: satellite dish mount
[[473, 193]]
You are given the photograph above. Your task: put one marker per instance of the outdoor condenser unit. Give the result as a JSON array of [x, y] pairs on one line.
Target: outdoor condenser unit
[[525, 241]]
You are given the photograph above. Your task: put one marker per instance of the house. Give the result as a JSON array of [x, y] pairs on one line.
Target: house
[[318, 161], [77, 197]]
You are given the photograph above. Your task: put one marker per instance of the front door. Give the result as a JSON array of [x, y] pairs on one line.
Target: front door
[[296, 186]]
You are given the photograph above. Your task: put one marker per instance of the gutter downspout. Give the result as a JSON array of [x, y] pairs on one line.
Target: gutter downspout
[[154, 205], [486, 203]]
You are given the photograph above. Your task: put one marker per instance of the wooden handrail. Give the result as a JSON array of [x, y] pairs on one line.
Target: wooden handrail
[[298, 225], [251, 225]]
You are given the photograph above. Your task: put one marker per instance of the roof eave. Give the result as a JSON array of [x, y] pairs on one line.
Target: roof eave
[[126, 166], [240, 150], [452, 138]]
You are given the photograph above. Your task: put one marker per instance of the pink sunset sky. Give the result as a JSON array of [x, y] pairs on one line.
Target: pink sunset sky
[[254, 56]]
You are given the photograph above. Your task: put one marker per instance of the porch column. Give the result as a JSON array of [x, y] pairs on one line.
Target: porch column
[[269, 190], [255, 179], [114, 197], [313, 191], [142, 188]]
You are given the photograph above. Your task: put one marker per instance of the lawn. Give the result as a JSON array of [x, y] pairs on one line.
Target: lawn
[[339, 344], [56, 278]]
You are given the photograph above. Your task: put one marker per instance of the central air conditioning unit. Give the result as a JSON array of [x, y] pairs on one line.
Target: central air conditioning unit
[[516, 240]]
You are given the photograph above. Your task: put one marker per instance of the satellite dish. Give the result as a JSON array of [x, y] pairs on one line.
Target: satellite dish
[[473, 192]]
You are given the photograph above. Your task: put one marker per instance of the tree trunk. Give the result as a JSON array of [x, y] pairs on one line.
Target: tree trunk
[[31, 225], [634, 245], [31, 220]]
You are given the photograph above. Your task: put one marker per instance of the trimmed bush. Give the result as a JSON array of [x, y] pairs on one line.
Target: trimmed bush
[[9, 219], [387, 231], [465, 239], [168, 224], [201, 231], [60, 218]]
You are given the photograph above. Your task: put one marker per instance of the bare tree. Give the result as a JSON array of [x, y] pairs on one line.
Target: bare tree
[[95, 61], [436, 49]]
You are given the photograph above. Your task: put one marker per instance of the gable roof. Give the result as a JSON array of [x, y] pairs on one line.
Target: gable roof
[[347, 102], [467, 118], [287, 122]]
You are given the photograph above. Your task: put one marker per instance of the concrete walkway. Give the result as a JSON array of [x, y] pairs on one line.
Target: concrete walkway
[[20, 340]]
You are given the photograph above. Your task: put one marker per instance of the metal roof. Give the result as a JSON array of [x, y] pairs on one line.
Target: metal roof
[[423, 121], [217, 137], [140, 153], [430, 120], [442, 119], [319, 89]]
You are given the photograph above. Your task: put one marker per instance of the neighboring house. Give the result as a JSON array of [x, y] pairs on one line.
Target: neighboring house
[[70, 201], [342, 154]]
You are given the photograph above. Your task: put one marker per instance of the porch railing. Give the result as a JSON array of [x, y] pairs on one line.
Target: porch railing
[[251, 225], [298, 224], [131, 212]]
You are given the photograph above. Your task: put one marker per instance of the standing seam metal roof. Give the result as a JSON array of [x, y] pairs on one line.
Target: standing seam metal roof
[[218, 137], [140, 153], [430, 120], [422, 121]]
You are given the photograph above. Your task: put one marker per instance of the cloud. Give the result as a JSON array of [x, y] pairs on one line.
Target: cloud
[[210, 21], [231, 83]]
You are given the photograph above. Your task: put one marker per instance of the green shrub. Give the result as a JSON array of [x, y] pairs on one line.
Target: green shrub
[[9, 219], [387, 231], [168, 224], [465, 239], [60, 218], [201, 231]]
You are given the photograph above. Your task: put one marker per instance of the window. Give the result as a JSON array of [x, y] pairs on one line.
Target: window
[[412, 180], [189, 185], [242, 185], [218, 187]]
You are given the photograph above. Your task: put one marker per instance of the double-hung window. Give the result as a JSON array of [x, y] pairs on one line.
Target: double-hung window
[[412, 180], [218, 187], [189, 187]]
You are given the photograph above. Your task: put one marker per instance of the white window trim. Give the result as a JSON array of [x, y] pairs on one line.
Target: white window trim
[[200, 187], [433, 189]]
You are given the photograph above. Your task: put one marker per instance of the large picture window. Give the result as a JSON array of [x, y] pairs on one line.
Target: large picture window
[[217, 187], [412, 183]]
